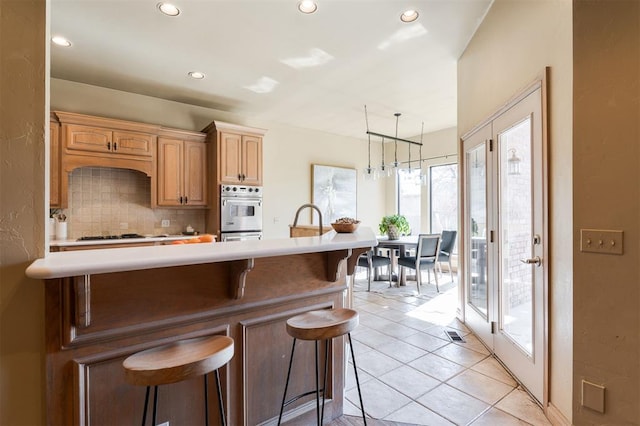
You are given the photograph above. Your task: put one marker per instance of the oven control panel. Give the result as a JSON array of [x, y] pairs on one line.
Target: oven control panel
[[241, 191]]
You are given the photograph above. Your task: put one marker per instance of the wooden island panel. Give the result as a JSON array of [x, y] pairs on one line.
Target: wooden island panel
[[94, 323]]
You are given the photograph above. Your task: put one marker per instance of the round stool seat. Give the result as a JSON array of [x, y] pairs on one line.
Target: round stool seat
[[178, 361], [322, 324]]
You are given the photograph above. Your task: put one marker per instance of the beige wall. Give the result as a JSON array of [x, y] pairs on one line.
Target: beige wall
[[22, 209], [606, 195], [512, 46]]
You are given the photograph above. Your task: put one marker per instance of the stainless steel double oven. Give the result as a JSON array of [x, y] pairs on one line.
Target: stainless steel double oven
[[240, 213]]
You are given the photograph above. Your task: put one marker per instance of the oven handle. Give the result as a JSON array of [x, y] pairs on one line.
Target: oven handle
[[250, 201]]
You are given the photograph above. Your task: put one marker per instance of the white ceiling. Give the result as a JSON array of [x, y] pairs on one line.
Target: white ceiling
[[371, 57]]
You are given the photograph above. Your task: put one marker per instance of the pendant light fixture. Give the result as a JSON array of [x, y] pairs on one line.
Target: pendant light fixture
[[423, 176], [395, 156], [387, 170], [369, 172]]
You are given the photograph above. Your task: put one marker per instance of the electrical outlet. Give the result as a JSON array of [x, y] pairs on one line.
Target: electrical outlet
[[601, 241], [165, 223], [124, 225]]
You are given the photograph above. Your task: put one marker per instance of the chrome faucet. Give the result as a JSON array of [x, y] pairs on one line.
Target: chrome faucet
[[313, 206]]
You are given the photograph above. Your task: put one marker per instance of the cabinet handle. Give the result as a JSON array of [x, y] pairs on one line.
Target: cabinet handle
[[115, 146], [186, 201], [239, 177], [181, 199], [108, 146], [243, 176]]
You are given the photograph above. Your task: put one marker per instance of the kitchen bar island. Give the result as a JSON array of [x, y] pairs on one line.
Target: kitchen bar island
[[104, 305]]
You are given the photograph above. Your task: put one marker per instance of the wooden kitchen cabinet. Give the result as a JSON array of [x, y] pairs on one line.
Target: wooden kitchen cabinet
[[103, 140], [240, 159], [54, 164], [235, 158], [182, 172]]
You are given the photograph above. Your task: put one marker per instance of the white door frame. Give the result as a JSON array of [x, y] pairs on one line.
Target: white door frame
[[468, 314]]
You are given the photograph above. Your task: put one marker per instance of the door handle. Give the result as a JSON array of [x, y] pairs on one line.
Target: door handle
[[533, 261]]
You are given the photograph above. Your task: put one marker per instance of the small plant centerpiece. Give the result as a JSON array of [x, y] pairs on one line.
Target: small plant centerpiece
[[394, 226]]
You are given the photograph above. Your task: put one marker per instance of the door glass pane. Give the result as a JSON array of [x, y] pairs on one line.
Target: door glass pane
[[477, 290], [516, 313]]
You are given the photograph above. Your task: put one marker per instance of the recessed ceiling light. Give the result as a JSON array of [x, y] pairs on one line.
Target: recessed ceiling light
[[168, 9], [409, 16], [197, 75], [307, 6], [61, 41]]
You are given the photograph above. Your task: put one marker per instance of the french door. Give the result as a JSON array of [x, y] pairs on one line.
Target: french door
[[505, 234]]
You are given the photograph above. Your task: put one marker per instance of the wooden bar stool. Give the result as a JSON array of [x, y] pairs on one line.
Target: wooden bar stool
[[323, 324], [178, 361]]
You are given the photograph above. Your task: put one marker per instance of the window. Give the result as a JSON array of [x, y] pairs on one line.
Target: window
[[443, 184], [409, 197]]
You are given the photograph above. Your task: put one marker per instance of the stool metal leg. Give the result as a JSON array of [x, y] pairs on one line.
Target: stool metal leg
[[317, 388], [284, 396], [206, 401], [324, 384], [355, 370], [220, 403], [155, 404], [146, 405]]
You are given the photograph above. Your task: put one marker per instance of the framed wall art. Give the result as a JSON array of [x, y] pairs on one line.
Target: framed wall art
[[334, 192]]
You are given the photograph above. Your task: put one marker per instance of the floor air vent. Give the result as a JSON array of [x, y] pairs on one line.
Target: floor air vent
[[454, 336]]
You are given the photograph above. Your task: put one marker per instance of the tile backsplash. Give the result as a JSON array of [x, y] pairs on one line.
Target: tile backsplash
[[107, 201]]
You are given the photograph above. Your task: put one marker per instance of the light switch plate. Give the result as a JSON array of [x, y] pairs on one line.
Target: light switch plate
[[593, 396], [601, 241]]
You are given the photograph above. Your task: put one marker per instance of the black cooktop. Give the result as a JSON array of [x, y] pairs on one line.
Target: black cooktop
[[109, 237]]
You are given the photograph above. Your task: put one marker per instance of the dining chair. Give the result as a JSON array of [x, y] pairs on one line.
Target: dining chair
[[448, 240], [370, 261], [426, 257]]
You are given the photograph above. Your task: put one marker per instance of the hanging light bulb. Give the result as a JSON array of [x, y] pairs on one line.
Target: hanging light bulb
[[369, 172], [385, 171], [395, 157], [423, 176]]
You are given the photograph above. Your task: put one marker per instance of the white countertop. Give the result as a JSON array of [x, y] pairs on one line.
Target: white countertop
[[98, 261]]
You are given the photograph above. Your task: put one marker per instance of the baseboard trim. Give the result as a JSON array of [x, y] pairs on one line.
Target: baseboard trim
[[556, 417]]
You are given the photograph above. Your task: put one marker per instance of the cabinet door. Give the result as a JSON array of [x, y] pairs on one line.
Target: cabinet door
[[54, 165], [169, 172], [230, 161], [252, 160], [195, 173], [130, 143], [86, 138]]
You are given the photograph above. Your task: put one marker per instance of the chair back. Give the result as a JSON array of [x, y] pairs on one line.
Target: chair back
[[448, 241], [428, 246]]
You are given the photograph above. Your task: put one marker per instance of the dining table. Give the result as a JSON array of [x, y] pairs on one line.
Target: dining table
[[397, 248]]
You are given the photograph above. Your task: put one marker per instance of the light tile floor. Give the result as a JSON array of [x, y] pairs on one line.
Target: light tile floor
[[410, 372]]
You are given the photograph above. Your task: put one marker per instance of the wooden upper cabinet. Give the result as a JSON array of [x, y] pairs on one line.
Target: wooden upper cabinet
[[103, 140], [240, 159], [195, 173], [54, 164], [252, 160], [182, 173], [230, 158]]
